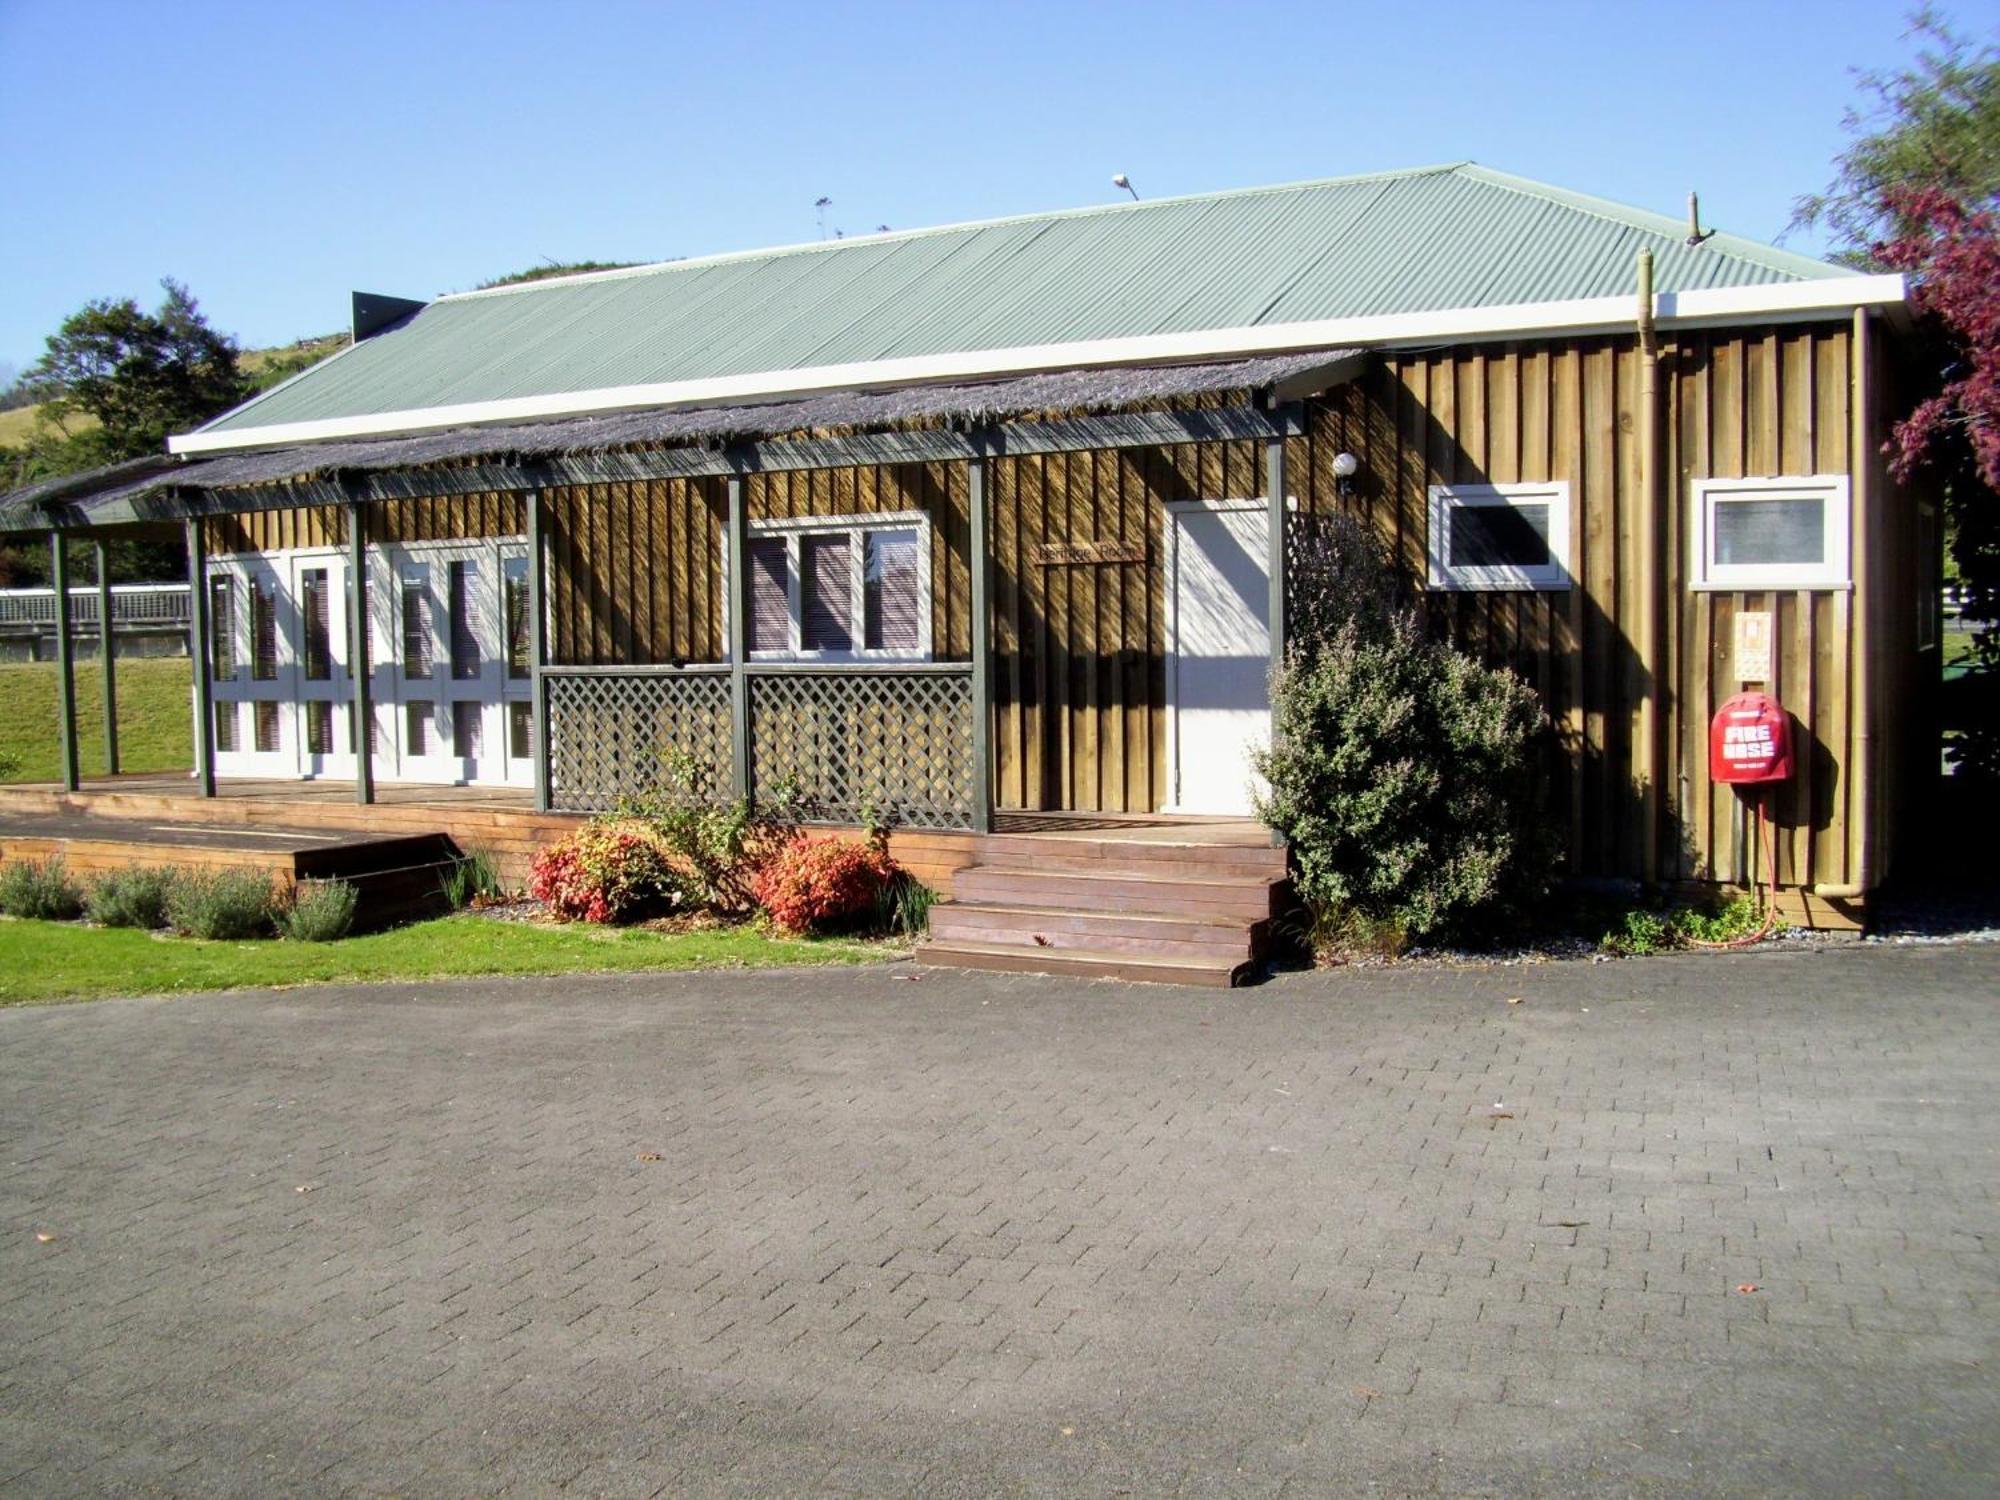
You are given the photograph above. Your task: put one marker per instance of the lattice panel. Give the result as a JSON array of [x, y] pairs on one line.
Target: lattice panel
[[895, 743], [608, 732]]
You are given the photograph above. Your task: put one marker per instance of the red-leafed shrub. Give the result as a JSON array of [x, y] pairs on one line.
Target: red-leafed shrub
[[810, 884], [603, 873]]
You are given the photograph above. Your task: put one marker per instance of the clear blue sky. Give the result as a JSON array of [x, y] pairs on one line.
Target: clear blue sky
[[275, 156]]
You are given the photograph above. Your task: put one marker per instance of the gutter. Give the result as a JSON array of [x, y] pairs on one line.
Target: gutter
[[1720, 306]]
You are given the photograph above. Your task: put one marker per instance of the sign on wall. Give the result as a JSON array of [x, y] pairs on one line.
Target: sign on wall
[[1049, 553], [1751, 657]]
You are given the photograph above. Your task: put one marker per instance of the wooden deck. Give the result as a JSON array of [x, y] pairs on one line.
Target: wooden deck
[[498, 821], [502, 821]]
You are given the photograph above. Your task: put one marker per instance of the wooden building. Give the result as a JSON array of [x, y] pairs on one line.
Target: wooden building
[[990, 521]]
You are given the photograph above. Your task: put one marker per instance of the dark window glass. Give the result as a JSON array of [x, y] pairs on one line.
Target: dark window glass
[[889, 591], [314, 607], [1765, 532], [225, 728], [769, 608], [319, 727], [263, 631], [416, 625], [268, 742], [1500, 536], [465, 717], [416, 728], [520, 730], [464, 582], [222, 632], [517, 627], [826, 594]]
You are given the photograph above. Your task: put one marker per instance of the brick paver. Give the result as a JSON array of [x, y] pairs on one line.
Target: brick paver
[[1680, 1226]]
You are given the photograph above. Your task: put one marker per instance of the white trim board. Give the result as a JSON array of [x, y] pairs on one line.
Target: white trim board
[[1832, 573], [1784, 301]]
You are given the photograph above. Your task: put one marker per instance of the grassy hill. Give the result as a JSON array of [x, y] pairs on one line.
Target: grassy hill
[[155, 732]]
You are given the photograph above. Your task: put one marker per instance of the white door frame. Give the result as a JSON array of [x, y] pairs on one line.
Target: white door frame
[[1171, 551]]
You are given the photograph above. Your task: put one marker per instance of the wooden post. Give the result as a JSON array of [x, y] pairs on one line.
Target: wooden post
[[538, 642], [359, 671], [199, 643], [739, 638], [1274, 493], [108, 651], [65, 662], [982, 630]]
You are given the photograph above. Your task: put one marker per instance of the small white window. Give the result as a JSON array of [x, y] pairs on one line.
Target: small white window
[[1499, 536], [841, 588], [1769, 533]]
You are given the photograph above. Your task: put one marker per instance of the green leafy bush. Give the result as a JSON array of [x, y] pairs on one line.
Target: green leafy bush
[[1643, 930], [1640, 933], [1402, 772], [132, 898], [43, 891], [715, 846], [320, 911], [226, 905], [607, 871]]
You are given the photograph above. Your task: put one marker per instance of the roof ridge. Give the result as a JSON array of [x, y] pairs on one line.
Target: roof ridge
[[1648, 221], [807, 247]]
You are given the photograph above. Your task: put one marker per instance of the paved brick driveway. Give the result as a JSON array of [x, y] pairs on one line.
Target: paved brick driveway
[[853, 1232]]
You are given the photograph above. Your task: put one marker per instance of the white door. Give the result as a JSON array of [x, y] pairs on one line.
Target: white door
[[451, 672], [1218, 653], [324, 692], [252, 620]]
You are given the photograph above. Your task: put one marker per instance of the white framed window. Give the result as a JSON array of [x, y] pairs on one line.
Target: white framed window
[[1787, 533], [1499, 536], [841, 588]]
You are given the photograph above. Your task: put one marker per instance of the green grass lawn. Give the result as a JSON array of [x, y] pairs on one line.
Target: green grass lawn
[[66, 961], [155, 721]]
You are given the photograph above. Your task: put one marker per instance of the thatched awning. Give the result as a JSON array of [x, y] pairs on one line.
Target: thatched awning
[[156, 488]]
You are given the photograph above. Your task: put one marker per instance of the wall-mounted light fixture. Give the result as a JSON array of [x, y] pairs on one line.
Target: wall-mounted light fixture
[[1345, 466]]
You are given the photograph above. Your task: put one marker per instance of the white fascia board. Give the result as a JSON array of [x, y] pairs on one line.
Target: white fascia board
[[1722, 305]]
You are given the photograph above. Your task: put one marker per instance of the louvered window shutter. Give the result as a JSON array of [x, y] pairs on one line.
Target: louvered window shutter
[[313, 607], [891, 596], [263, 632], [769, 613], [826, 586], [465, 625]]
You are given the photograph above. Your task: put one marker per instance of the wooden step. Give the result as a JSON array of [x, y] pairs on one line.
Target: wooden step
[[1186, 856], [1087, 963], [1246, 898], [1123, 932]]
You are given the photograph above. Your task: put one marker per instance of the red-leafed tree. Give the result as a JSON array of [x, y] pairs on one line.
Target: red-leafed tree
[[1918, 191], [1952, 250]]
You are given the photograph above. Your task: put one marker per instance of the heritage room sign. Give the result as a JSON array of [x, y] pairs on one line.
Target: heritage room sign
[[1752, 644], [1049, 553]]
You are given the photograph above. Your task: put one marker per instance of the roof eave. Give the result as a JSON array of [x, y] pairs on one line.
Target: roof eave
[[1720, 306]]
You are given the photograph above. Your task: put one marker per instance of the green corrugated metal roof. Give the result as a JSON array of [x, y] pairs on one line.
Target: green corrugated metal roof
[[1432, 239]]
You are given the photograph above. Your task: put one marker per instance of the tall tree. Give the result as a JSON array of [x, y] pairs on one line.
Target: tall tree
[[1918, 191], [1933, 124], [141, 375]]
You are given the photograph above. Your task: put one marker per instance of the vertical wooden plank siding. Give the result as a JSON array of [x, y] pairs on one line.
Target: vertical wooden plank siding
[[1078, 649], [1734, 404]]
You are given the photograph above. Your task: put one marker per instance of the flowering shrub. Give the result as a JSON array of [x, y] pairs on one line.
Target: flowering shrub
[[815, 883], [602, 873]]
